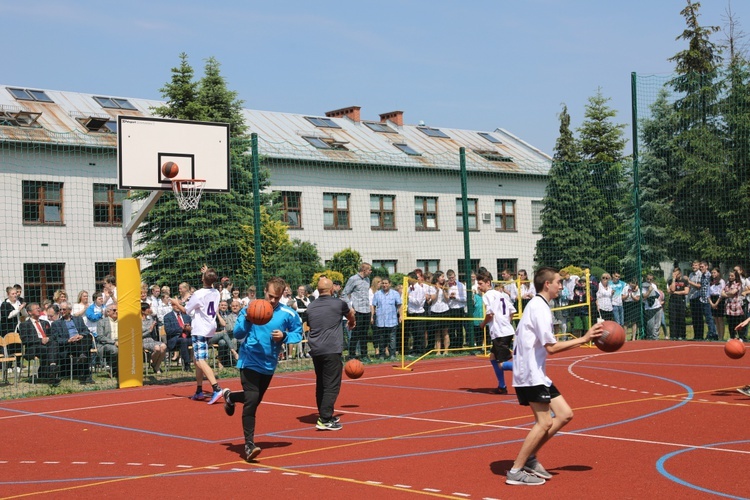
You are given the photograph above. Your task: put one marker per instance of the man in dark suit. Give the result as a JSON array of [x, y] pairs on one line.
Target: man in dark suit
[[38, 343], [177, 326], [106, 337], [74, 339]]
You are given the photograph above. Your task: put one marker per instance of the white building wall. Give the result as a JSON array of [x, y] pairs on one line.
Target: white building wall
[[406, 244]]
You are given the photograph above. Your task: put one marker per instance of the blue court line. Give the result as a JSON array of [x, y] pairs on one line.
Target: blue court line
[[109, 426], [672, 477]]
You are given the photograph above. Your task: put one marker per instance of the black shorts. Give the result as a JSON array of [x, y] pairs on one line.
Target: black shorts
[[536, 394], [501, 348]]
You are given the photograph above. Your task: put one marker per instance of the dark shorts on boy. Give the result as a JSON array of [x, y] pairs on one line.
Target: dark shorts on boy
[[501, 348], [536, 394]]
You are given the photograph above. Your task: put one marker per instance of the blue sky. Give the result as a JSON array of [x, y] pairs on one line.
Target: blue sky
[[475, 64]]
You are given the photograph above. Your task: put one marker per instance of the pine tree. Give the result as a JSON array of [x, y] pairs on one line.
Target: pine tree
[[660, 238], [698, 152], [602, 144], [565, 218], [176, 243]]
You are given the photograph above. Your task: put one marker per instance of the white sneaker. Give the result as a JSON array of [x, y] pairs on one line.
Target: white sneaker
[[523, 478]]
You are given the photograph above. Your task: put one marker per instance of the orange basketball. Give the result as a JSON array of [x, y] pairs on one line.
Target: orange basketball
[[734, 348], [170, 170], [354, 368], [613, 337], [259, 311]]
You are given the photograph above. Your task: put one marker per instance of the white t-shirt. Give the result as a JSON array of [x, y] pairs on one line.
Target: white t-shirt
[[535, 330], [499, 304], [204, 305]]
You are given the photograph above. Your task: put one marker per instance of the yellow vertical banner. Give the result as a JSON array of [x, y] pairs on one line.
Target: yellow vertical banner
[[130, 336]]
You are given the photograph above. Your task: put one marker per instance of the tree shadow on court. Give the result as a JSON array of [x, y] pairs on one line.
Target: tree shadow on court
[[349, 406]]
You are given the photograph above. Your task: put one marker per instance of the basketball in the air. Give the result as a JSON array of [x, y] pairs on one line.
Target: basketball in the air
[[170, 170], [259, 311], [734, 348], [354, 368], [613, 337]]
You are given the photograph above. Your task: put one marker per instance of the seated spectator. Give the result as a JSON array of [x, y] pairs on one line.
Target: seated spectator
[[51, 313], [94, 313], [106, 339], [177, 326], [38, 343], [73, 339], [223, 338], [150, 337]]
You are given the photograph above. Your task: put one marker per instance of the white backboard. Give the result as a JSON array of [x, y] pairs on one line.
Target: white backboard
[[144, 144]]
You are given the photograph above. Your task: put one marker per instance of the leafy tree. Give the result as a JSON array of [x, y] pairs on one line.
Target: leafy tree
[[346, 262], [297, 263]]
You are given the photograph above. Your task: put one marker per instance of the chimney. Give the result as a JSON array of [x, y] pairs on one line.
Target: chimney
[[352, 112], [396, 117]]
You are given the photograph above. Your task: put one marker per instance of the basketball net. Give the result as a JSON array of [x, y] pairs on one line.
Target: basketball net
[[188, 192]]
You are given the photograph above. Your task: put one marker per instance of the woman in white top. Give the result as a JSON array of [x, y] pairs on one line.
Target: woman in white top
[[717, 301], [438, 296], [604, 298], [79, 308]]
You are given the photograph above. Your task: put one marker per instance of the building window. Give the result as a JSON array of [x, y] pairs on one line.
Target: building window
[[388, 265], [101, 270], [492, 155], [108, 205], [322, 122], [428, 265], [379, 127], [425, 213], [536, 216], [505, 215], [464, 276], [434, 132], [382, 211], [490, 137], [41, 280], [30, 95], [326, 143], [291, 204], [510, 264], [336, 211], [43, 203], [114, 103], [406, 149], [472, 212]]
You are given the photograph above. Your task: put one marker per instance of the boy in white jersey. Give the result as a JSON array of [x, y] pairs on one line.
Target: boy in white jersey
[[203, 306], [498, 313], [535, 339]]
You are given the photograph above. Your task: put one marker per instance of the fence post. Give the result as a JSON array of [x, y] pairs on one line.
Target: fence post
[[256, 214], [467, 246], [636, 194]]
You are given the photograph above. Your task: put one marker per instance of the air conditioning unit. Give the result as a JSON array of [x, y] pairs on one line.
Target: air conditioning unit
[[486, 217]]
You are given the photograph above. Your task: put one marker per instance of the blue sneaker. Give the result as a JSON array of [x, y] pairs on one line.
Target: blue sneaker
[[214, 397], [198, 396]]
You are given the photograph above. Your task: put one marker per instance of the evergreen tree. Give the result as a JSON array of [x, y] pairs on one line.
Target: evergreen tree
[[698, 150], [602, 144], [565, 218], [176, 243], [660, 238]]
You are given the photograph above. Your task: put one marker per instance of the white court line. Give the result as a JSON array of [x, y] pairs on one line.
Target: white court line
[[25, 413]]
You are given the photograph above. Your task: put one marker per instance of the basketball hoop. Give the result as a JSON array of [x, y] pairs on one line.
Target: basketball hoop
[[188, 192]]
